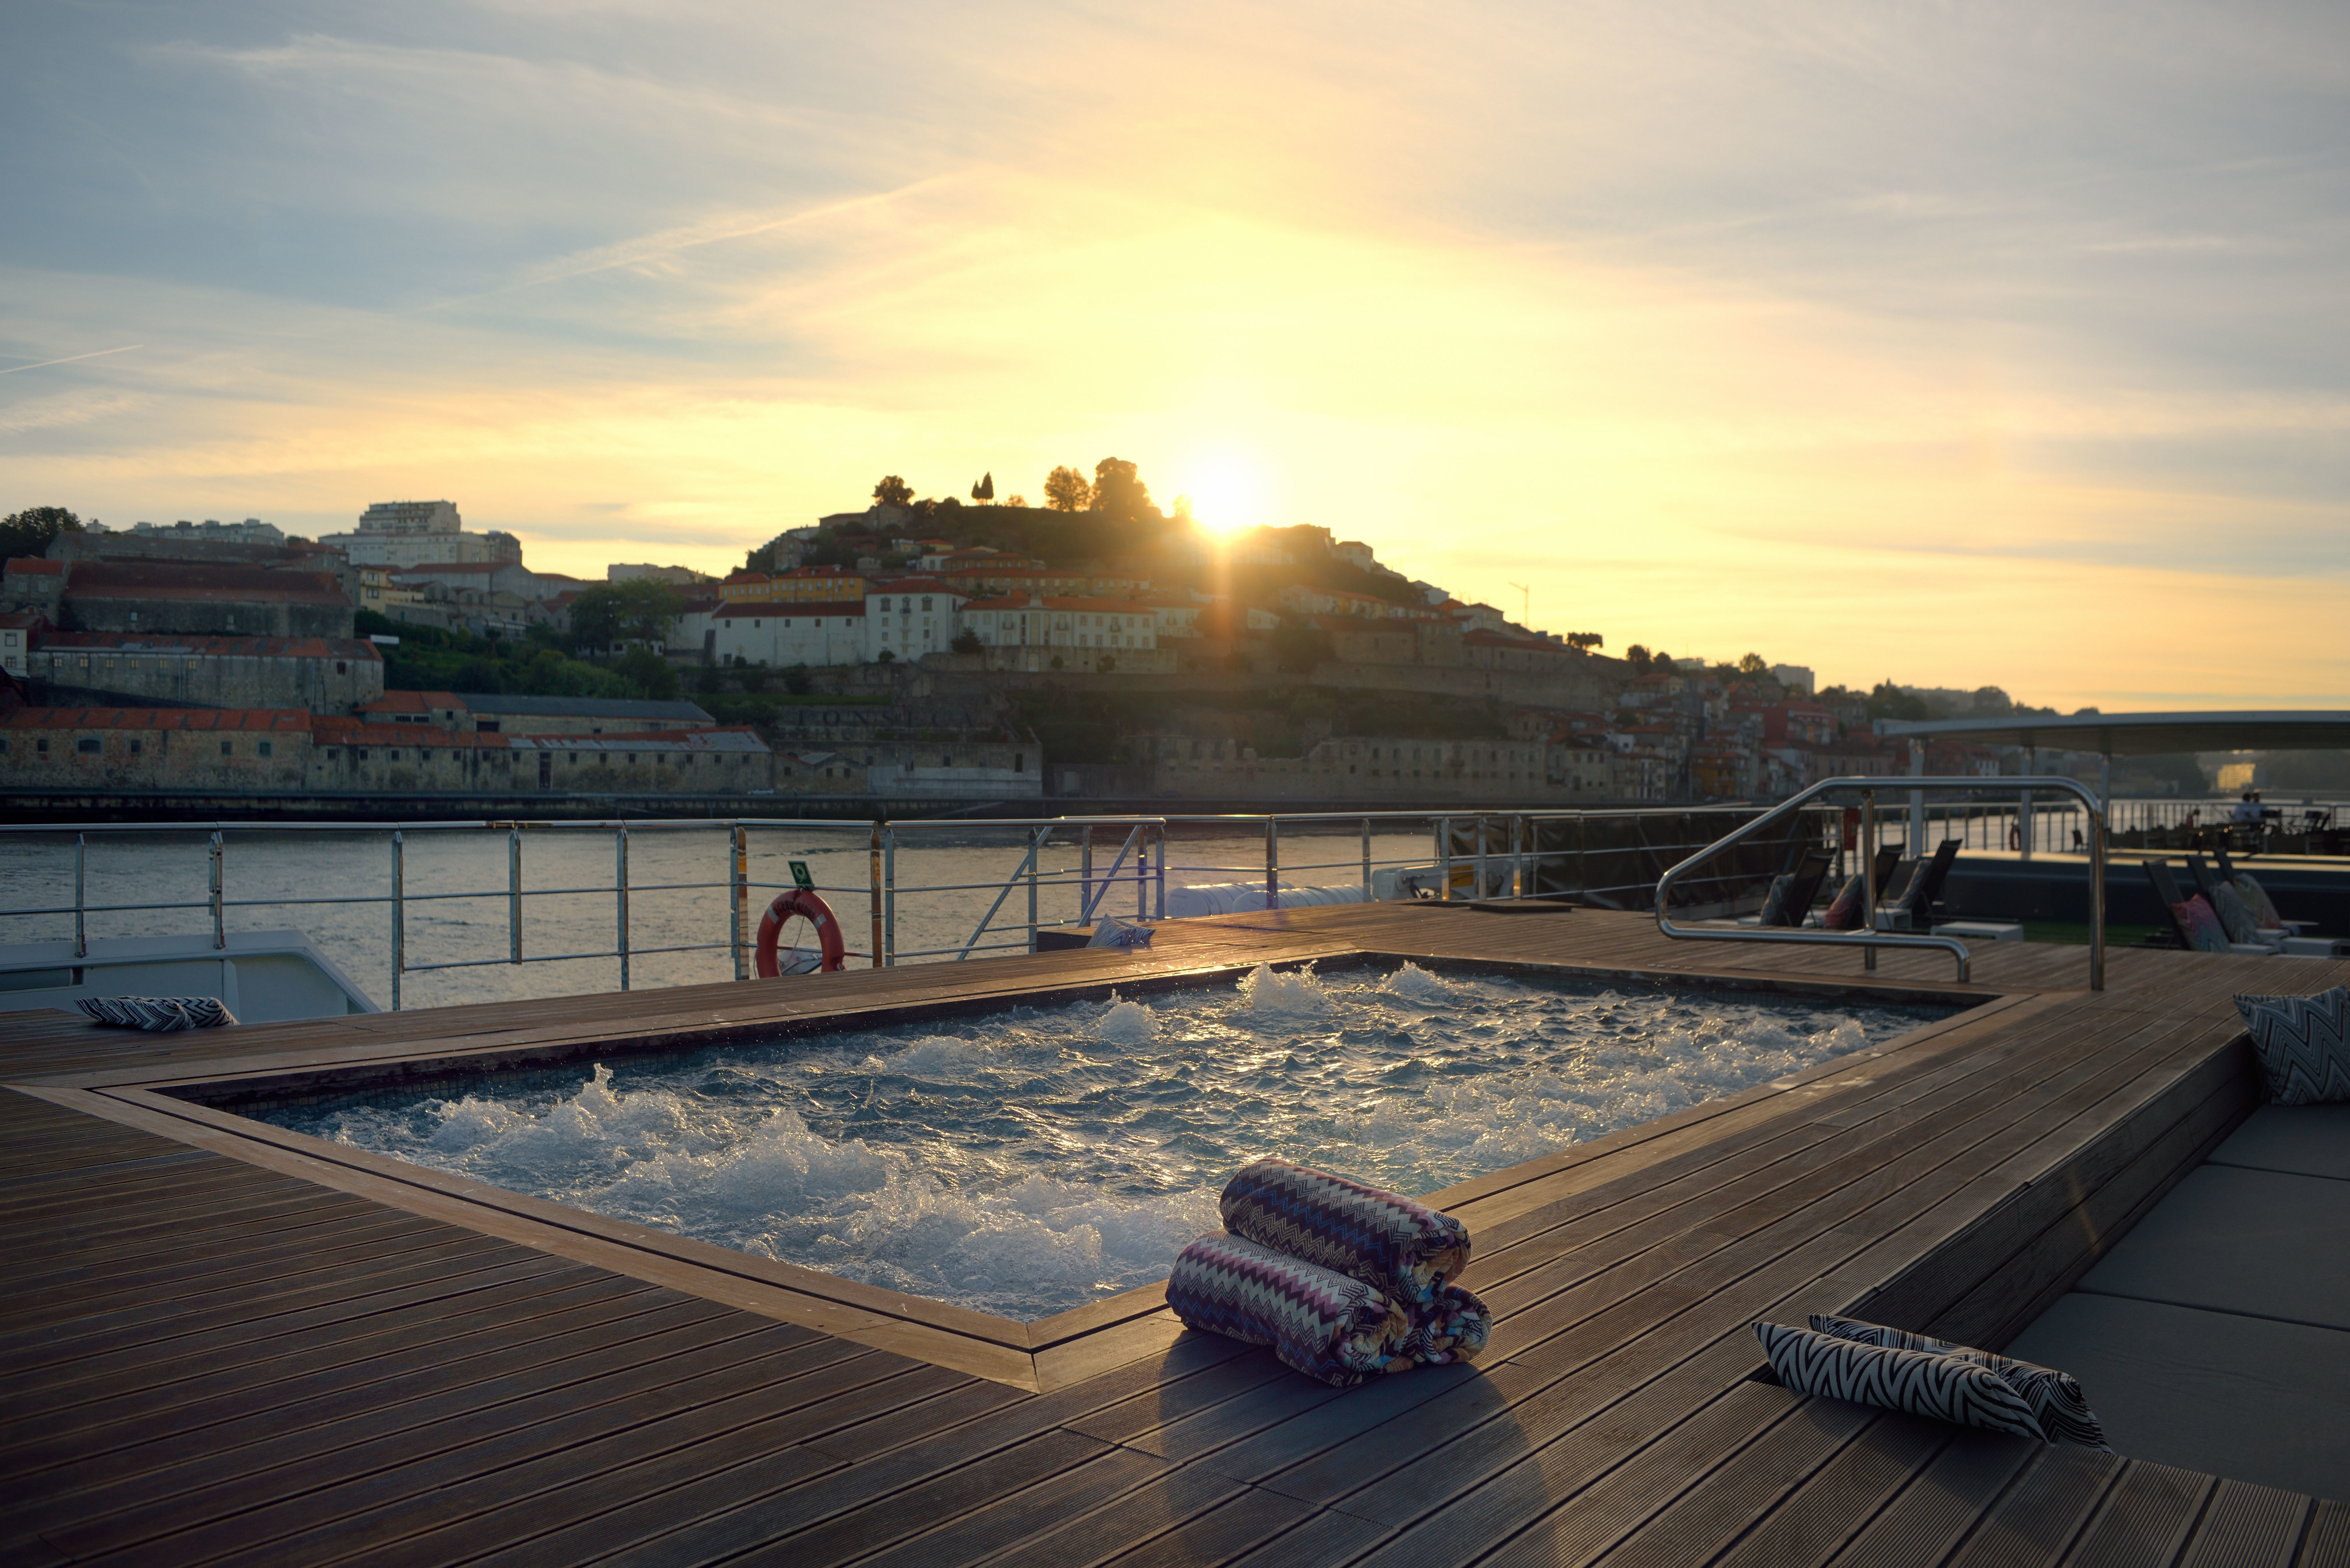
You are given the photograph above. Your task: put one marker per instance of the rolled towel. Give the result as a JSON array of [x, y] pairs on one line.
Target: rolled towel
[[2054, 1397], [1317, 1321], [1407, 1250], [1923, 1383], [1452, 1327], [158, 1014]]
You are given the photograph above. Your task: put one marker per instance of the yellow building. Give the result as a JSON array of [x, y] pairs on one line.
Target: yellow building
[[801, 584]]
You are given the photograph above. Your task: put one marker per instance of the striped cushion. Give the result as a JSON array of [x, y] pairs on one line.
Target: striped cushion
[[2303, 1044], [160, 1015], [1947, 1387], [1405, 1249], [2056, 1400], [1317, 1321]]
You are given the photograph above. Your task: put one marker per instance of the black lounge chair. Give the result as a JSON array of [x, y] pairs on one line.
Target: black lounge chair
[[1925, 888], [2166, 893], [1809, 872]]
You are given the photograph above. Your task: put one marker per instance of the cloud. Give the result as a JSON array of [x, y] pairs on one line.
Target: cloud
[[1719, 324]]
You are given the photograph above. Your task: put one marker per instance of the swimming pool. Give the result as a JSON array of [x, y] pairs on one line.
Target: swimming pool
[[1034, 1160]]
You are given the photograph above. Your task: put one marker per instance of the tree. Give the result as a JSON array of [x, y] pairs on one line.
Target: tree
[[1638, 658], [610, 614], [985, 488], [1890, 701], [1119, 493], [1299, 646], [648, 674], [1661, 662], [892, 491], [966, 641], [34, 530], [1752, 664], [1065, 490], [1585, 640], [1015, 500]]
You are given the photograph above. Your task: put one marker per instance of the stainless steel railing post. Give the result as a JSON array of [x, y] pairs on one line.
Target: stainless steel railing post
[[1159, 875], [399, 913], [81, 862], [1869, 872], [1086, 873], [738, 895], [1444, 859], [873, 890], [1479, 891], [2097, 902], [220, 937], [514, 895], [1272, 863], [1037, 837], [620, 888], [890, 897], [1366, 860]]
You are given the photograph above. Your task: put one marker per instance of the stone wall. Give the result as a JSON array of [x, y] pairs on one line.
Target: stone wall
[[318, 674]]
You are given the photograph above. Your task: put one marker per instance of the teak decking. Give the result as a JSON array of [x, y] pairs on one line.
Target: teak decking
[[224, 1342]]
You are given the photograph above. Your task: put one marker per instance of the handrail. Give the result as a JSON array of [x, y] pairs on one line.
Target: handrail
[[1873, 938]]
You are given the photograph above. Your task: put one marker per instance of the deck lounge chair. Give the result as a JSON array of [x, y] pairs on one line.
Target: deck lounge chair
[[1809, 872], [2166, 893], [2208, 883]]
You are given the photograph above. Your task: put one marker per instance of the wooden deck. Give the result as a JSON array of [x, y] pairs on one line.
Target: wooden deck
[[225, 1343]]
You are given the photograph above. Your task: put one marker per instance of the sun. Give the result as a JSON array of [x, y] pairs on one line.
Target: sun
[[1227, 489]]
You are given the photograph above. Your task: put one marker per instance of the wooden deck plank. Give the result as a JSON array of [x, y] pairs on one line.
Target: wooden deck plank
[[241, 1360]]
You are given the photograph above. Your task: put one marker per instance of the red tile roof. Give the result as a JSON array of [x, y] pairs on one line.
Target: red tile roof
[[34, 566]]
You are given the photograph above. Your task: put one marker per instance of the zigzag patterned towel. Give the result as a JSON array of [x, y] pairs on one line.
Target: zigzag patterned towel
[[1452, 1327], [160, 1015], [1947, 1387], [1319, 1322], [2055, 1399], [1405, 1249], [2303, 1044]]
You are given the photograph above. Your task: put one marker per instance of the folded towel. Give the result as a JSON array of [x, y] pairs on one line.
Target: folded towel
[[1318, 1322], [159, 1014], [2055, 1399], [1406, 1249], [1452, 1327], [1923, 1383]]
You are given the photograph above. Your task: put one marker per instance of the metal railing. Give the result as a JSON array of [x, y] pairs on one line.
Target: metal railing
[[1868, 939], [1608, 858]]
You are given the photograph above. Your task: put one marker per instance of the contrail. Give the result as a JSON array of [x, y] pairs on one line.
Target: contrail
[[95, 354]]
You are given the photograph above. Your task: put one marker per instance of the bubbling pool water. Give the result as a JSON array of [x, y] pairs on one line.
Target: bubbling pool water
[[1035, 1159]]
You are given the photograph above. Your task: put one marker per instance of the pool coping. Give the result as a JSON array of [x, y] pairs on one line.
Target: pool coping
[[1037, 1356]]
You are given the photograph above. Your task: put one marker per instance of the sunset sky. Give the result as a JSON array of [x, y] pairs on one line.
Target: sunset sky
[[1958, 345]]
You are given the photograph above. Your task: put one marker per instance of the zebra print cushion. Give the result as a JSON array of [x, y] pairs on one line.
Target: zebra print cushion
[[1947, 1387], [1317, 1321], [1405, 1249], [2303, 1044], [160, 1015], [2056, 1400]]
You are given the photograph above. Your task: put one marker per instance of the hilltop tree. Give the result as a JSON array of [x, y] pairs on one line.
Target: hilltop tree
[[1119, 493], [1067, 490], [893, 492], [1585, 640], [34, 529], [1638, 658], [985, 488], [1660, 663], [1752, 664]]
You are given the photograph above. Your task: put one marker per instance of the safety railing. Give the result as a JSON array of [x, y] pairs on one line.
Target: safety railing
[[1868, 938], [1087, 867]]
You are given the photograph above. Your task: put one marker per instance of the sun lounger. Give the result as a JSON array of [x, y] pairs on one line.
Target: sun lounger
[[2166, 893]]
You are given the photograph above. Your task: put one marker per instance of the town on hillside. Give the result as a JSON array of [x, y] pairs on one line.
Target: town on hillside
[[912, 651]]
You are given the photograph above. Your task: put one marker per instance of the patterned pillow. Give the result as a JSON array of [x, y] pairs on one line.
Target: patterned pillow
[[2303, 1044], [2234, 917], [2056, 1400], [1844, 915], [1775, 902], [159, 1014], [2256, 898], [2202, 927], [1947, 1387]]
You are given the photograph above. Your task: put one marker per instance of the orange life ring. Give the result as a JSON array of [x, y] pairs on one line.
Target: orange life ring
[[799, 901]]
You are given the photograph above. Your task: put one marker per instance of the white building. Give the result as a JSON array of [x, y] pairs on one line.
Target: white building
[[251, 531], [418, 534], [1794, 677], [1040, 622], [783, 634], [910, 617]]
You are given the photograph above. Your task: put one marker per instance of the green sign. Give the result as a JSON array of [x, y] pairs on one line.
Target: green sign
[[800, 876]]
